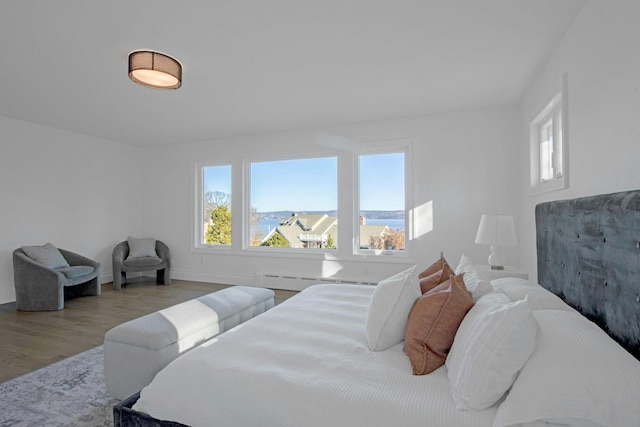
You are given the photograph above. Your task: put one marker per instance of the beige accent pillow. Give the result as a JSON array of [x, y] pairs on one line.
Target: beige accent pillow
[[440, 276], [433, 323], [435, 267]]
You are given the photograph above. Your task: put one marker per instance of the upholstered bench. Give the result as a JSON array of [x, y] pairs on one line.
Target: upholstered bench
[[135, 351]]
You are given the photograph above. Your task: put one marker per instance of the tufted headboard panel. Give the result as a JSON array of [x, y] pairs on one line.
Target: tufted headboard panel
[[589, 255]]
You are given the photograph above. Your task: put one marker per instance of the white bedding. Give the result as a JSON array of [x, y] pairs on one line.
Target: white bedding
[[304, 363]]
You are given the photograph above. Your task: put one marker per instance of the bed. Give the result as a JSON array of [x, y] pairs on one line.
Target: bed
[[309, 361]]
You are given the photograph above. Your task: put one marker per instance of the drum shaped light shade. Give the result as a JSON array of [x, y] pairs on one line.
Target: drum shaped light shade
[[155, 70]]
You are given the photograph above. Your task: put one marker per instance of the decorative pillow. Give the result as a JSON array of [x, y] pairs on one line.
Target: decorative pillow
[[474, 284], [577, 376], [47, 255], [539, 298], [465, 265], [433, 322], [435, 267], [389, 308], [493, 342], [440, 276], [141, 248]]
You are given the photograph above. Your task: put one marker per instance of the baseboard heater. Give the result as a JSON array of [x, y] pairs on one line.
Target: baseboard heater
[[298, 283]]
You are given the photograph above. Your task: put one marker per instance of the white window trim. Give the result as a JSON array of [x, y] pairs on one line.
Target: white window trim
[[383, 147], [348, 206], [558, 104], [246, 209], [198, 203]]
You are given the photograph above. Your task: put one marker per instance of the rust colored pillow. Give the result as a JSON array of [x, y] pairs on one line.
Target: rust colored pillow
[[435, 267], [440, 276], [433, 322]]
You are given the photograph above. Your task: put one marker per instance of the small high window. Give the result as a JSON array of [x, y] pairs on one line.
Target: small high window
[[548, 146]]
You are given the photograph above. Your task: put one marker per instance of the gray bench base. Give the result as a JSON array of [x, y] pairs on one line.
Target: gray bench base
[[135, 351]]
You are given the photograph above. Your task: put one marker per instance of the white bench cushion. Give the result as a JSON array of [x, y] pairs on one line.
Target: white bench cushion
[[135, 351]]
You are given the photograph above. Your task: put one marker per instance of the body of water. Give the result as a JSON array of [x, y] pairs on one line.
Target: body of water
[[265, 225]]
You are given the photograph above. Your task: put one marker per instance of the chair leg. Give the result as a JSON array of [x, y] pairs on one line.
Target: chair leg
[[92, 287], [163, 277], [86, 289]]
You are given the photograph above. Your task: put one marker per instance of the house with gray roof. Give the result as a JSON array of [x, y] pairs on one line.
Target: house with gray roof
[[313, 231]]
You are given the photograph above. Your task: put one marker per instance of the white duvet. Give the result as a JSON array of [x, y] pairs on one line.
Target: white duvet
[[304, 363]]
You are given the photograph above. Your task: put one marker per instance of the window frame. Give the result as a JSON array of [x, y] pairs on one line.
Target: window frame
[[384, 147], [198, 225], [347, 205], [246, 210], [555, 110]]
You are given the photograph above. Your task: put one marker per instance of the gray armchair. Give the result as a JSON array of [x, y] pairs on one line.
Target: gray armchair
[[39, 287], [123, 264]]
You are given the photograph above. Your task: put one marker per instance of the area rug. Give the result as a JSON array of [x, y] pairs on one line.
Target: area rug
[[68, 393]]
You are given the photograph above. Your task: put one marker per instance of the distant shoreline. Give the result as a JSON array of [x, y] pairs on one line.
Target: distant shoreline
[[368, 214], [266, 224]]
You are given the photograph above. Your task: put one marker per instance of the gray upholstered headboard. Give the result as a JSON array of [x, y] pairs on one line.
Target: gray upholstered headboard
[[589, 255]]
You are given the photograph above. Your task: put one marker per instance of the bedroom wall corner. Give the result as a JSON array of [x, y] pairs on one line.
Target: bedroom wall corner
[[599, 54], [77, 192]]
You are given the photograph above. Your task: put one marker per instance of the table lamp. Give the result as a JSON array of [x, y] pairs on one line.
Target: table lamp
[[496, 230]]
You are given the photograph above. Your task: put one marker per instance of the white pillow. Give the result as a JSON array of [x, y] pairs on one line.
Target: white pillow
[[141, 248], [577, 376], [472, 282], [539, 297], [494, 341], [389, 309]]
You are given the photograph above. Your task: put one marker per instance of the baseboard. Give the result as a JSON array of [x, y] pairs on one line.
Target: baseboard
[[208, 277]]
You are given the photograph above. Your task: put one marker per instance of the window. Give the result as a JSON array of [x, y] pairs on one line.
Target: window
[[294, 203], [548, 139], [381, 184], [341, 202], [215, 222]]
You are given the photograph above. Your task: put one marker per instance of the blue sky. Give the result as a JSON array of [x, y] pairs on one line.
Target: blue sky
[[382, 182], [311, 184]]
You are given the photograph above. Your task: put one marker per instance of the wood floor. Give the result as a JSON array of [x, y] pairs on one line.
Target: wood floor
[[31, 340]]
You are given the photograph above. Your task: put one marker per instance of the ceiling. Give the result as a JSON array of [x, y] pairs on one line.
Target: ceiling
[[259, 66]]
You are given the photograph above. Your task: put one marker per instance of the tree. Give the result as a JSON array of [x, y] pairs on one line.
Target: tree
[[258, 235], [395, 240], [276, 239], [330, 244], [219, 231], [390, 240], [213, 199]]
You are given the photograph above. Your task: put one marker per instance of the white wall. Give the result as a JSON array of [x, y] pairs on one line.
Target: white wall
[[601, 56], [86, 194], [463, 163], [77, 192]]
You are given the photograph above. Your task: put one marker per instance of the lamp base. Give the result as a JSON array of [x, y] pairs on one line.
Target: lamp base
[[496, 259]]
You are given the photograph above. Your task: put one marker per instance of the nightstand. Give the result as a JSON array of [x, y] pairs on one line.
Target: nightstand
[[486, 273]]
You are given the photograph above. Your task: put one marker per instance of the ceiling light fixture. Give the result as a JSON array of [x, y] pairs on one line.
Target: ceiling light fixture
[[155, 70]]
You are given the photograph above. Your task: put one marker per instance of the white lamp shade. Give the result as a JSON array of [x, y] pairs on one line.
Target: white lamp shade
[[496, 230]]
